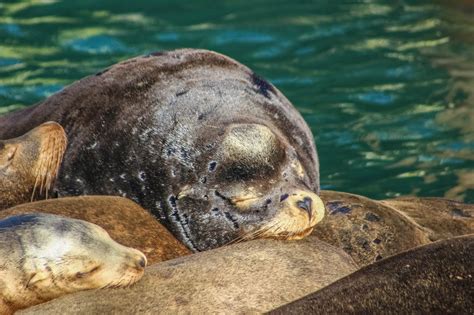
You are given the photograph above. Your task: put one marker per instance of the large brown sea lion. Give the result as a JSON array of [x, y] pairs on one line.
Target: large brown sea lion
[[44, 256], [29, 164], [214, 151], [432, 279], [250, 277], [125, 221]]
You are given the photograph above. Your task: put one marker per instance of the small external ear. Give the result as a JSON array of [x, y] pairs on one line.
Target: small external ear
[[11, 152], [36, 278], [7, 153]]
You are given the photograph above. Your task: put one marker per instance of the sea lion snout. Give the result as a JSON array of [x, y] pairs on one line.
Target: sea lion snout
[[135, 259], [140, 262], [308, 203], [297, 214]]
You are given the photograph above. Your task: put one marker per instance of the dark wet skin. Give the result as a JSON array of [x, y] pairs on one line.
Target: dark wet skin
[[151, 129]]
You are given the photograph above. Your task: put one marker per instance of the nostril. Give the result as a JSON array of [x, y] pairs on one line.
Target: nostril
[[283, 197], [141, 263], [305, 204]]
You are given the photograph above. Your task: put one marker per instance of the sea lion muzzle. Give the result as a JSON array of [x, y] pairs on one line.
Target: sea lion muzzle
[[304, 206]]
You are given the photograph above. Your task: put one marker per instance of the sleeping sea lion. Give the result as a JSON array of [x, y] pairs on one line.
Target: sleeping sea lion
[[44, 256], [125, 221], [214, 151], [245, 278]]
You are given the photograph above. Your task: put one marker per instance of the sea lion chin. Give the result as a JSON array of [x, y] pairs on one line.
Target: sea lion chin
[[45, 256], [214, 151], [29, 164]]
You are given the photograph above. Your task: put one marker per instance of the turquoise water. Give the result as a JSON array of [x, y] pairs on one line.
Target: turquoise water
[[386, 86]]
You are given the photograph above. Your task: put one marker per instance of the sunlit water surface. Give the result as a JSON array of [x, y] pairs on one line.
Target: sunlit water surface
[[386, 86]]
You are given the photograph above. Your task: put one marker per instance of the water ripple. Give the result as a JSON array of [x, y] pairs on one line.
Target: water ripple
[[386, 87]]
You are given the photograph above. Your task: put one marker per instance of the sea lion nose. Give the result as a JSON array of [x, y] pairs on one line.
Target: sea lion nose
[[306, 205], [141, 262]]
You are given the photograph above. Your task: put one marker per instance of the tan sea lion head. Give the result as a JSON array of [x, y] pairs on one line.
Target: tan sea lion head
[[44, 256], [30, 163]]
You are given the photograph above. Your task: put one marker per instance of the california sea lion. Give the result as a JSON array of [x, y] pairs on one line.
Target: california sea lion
[[44, 256], [370, 230], [29, 164], [433, 279], [250, 277], [215, 152], [125, 221]]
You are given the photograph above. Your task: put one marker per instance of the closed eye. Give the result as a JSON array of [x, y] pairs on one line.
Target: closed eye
[[87, 273], [11, 154], [238, 200]]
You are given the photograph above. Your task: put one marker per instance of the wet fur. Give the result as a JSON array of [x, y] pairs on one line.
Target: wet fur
[[150, 127]]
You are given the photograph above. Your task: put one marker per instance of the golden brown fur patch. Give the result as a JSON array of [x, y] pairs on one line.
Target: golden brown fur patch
[[53, 146]]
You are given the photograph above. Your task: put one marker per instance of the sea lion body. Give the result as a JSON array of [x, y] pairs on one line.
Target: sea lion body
[[29, 164], [366, 229], [124, 220], [44, 256], [215, 152], [370, 230], [440, 218], [432, 279], [249, 277]]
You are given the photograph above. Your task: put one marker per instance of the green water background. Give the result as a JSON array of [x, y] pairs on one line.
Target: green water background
[[387, 87]]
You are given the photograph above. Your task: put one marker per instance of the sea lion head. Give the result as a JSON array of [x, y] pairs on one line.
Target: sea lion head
[[63, 255], [257, 175], [29, 164], [252, 184], [240, 161]]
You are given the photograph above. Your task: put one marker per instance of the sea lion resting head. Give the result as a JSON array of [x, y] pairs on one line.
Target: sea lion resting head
[[239, 159], [44, 256], [29, 164], [214, 151]]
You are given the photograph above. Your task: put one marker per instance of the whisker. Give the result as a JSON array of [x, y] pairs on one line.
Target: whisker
[[50, 159]]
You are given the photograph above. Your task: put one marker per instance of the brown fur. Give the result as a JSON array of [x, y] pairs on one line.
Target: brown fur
[[370, 230], [29, 164], [125, 221], [366, 229], [433, 279], [440, 218]]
